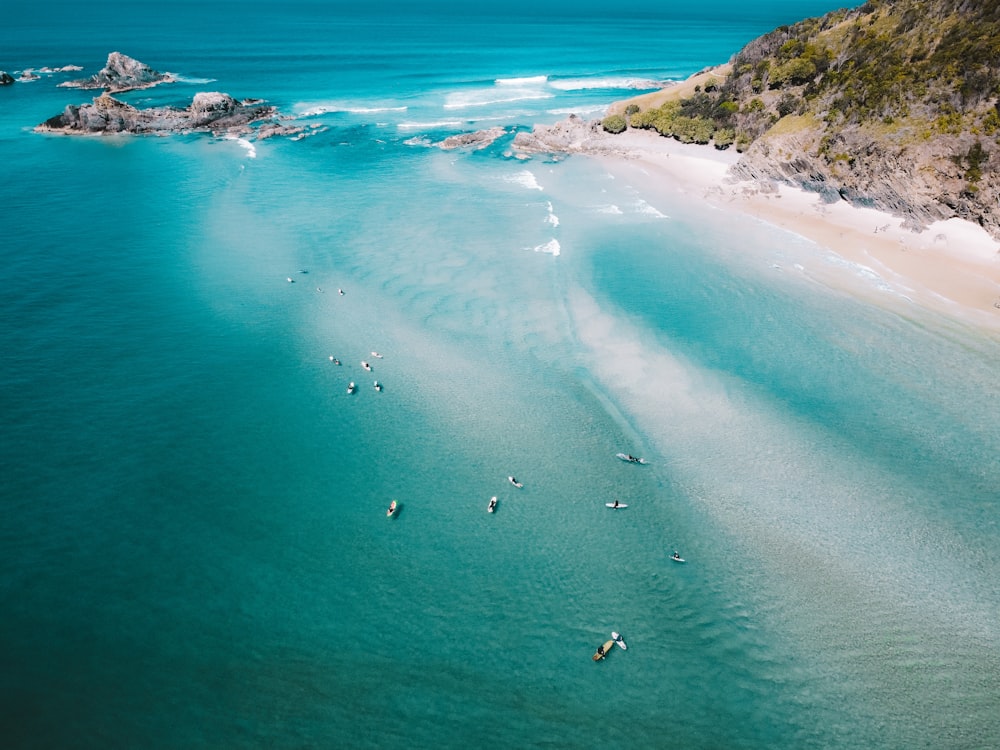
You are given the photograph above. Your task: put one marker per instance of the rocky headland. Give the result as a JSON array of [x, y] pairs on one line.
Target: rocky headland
[[893, 105]]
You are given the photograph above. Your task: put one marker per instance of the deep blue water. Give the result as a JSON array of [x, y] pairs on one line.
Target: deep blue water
[[193, 545]]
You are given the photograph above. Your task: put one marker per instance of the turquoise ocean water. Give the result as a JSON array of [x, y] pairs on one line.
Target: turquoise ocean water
[[193, 545]]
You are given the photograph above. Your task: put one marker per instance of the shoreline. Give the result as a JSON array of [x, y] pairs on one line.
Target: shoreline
[[952, 267]]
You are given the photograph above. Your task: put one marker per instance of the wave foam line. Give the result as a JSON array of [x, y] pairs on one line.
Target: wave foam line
[[611, 82], [582, 111], [524, 81], [432, 124], [525, 179], [644, 208], [324, 109], [521, 97], [245, 145]]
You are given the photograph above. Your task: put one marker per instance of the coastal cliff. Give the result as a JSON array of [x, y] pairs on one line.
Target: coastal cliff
[[892, 105]]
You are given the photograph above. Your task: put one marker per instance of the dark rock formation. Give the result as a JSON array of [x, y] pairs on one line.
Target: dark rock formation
[[6, 79], [479, 139], [209, 111], [122, 73]]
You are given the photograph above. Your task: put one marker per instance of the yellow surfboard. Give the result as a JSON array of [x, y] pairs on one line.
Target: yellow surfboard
[[602, 651]]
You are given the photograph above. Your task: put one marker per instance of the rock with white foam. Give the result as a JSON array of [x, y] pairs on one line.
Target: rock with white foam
[[209, 111], [122, 73]]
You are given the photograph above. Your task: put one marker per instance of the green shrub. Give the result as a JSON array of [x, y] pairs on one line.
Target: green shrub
[[693, 129], [795, 72], [614, 124], [724, 138]]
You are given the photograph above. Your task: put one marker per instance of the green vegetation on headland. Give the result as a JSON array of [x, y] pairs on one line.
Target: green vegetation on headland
[[893, 104]]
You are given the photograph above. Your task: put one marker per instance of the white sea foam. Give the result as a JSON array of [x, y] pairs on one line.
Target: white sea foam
[[592, 110], [552, 218], [525, 179], [244, 144], [523, 81], [487, 97], [867, 273], [314, 110], [551, 247], [608, 82], [612, 209], [644, 208], [199, 81], [413, 125], [48, 69]]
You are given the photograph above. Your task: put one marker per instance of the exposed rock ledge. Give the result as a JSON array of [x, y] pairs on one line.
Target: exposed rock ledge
[[480, 139], [572, 135], [209, 112], [921, 183], [122, 73]]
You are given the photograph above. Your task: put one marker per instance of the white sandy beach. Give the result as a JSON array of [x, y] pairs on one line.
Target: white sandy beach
[[952, 266]]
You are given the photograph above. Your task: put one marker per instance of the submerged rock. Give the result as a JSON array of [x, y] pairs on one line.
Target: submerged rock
[[6, 79]]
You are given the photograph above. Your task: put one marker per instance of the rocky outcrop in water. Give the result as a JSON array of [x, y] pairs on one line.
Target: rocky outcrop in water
[[478, 140], [6, 79], [572, 135], [209, 112], [122, 73]]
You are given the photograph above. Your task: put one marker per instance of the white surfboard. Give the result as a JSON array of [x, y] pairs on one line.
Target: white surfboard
[[617, 507], [619, 640]]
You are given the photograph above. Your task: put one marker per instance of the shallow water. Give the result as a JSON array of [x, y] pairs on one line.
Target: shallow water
[[195, 549]]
